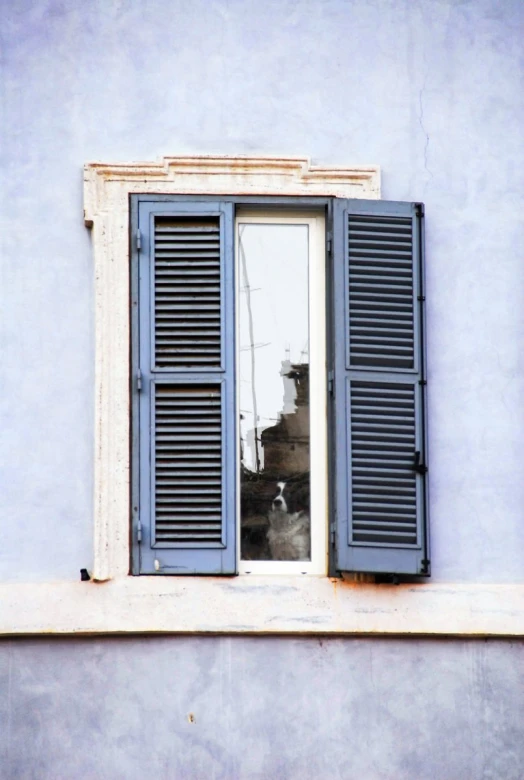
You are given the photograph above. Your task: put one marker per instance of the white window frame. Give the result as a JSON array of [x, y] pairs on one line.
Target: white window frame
[[317, 389]]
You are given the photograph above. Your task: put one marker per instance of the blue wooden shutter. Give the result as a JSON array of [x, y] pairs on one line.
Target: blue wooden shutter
[[381, 521], [185, 504]]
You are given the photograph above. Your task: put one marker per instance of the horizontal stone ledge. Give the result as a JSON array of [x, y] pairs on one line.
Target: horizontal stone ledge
[[261, 605]]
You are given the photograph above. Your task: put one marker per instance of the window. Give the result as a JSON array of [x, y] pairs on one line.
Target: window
[[231, 470], [281, 391], [253, 604]]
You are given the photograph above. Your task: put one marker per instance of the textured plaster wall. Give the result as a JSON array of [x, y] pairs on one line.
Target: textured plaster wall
[[118, 709], [431, 90]]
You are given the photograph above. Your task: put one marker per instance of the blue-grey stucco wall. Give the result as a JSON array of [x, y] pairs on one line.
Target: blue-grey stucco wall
[[433, 92], [119, 709]]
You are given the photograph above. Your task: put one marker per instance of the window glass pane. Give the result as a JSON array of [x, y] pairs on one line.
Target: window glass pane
[[274, 391]]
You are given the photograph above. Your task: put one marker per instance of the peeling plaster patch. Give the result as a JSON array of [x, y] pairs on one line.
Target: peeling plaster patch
[[372, 610], [274, 590], [232, 628], [447, 591], [309, 619]]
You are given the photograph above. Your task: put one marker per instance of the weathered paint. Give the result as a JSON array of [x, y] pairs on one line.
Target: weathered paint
[[228, 708], [261, 604]]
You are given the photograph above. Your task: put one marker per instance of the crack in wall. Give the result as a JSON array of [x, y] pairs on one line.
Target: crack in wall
[[424, 131]]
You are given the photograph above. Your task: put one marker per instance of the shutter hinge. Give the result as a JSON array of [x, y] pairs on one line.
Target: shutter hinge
[[419, 467], [139, 380], [332, 534], [139, 532], [329, 242], [331, 382], [138, 241]]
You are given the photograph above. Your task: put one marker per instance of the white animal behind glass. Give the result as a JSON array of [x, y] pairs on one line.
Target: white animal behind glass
[[289, 524]]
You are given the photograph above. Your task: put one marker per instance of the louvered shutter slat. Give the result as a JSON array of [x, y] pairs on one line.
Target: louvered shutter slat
[[186, 251], [379, 402], [187, 426], [371, 504], [376, 287], [188, 418]]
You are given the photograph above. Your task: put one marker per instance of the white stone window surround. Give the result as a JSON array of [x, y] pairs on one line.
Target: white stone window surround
[[114, 601], [106, 210]]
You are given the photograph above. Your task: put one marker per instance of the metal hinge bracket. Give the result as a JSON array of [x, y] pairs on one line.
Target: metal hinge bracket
[[139, 380], [138, 241], [139, 532], [331, 382], [419, 467], [332, 534]]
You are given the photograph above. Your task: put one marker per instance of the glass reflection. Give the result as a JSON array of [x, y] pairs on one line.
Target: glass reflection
[[274, 391]]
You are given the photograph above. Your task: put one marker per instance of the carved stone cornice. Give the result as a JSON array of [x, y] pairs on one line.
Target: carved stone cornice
[[226, 175]]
